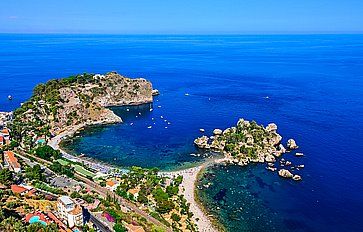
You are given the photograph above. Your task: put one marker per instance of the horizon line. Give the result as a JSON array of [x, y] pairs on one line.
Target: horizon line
[[179, 34]]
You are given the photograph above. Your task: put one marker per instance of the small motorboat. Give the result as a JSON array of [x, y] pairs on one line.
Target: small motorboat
[[10, 97]]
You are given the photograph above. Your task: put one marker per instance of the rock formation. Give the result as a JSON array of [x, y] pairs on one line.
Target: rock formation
[[291, 144], [81, 99], [285, 173]]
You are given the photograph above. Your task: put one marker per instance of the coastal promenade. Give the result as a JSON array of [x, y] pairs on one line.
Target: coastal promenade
[[104, 192]]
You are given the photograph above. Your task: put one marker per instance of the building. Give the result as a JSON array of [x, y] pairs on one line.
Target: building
[[11, 161], [112, 185], [2, 141], [19, 189], [4, 136], [134, 192], [5, 133], [69, 211]]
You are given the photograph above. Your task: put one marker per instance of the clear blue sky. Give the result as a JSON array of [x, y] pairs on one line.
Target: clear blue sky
[[181, 16]]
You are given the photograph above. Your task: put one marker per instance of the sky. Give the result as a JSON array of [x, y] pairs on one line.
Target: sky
[[181, 16]]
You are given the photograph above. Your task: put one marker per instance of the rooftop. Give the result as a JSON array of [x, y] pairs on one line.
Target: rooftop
[[18, 189], [5, 131], [12, 160], [66, 200]]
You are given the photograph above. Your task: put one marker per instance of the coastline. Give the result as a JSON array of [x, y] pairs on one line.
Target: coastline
[[188, 187], [69, 132]]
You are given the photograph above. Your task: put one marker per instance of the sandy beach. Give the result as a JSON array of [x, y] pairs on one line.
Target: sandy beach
[[188, 185]]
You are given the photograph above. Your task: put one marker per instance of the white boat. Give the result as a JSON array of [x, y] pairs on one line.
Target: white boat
[[149, 127], [10, 97]]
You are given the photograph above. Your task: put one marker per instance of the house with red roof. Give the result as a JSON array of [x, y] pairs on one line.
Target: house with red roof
[[2, 140], [19, 189], [11, 161]]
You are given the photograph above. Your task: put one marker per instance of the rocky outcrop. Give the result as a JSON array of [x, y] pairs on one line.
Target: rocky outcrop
[[271, 169], [270, 159], [248, 142], [285, 173], [155, 92], [291, 144], [272, 127], [217, 131], [79, 100], [118, 90], [202, 142]]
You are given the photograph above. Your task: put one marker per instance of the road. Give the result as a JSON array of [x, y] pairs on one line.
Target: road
[[102, 191], [102, 227]]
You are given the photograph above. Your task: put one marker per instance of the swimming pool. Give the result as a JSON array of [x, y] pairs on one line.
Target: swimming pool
[[36, 219]]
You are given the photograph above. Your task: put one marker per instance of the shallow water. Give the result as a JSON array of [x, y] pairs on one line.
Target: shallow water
[[314, 86]]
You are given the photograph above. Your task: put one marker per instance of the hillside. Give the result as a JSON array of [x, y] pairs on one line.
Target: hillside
[[81, 99]]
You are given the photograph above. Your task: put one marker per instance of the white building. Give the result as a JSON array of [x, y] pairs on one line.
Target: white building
[[69, 211]]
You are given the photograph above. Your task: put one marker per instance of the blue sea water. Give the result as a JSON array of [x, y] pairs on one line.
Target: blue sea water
[[315, 89]]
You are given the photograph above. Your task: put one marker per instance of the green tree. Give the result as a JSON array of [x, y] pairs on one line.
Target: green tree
[[75, 195], [175, 217], [118, 227], [34, 173], [6, 176], [47, 152]]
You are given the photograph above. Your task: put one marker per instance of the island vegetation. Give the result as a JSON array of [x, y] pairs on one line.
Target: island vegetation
[[249, 142]]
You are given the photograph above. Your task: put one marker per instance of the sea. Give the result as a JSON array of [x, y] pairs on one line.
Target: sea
[[311, 86]]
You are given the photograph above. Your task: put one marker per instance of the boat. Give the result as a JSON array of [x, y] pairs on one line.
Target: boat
[[10, 97], [149, 127]]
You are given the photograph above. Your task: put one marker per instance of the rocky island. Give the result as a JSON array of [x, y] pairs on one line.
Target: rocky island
[[249, 142], [76, 101]]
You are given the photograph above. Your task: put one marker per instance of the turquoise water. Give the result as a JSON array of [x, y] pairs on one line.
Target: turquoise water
[[36, 219], [314, 84]]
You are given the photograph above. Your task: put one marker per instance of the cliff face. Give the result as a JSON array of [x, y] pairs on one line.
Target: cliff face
[[88, 102], [76, 100]]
